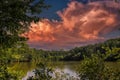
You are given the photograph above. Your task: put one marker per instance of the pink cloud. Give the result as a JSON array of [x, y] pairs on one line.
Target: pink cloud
[[80, 24]]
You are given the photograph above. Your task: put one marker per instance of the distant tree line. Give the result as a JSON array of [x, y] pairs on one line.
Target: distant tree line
[[109, 48]]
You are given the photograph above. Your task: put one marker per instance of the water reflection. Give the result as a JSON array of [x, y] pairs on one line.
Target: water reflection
[[61, 71], [29, 74], [58, 74], [65, 74], [64, 70]]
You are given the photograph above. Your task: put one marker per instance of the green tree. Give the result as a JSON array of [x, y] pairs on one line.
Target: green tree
[[4, 74], [15, 17], [94, 68], [41, 73]]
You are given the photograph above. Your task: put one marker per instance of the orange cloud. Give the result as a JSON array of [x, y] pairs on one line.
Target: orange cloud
[[80, 24]]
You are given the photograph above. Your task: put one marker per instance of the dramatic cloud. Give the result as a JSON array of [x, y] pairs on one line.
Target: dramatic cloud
[[80, 24]]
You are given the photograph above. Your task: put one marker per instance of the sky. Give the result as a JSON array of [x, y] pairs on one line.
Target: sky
[[56, 5], [73, 23]]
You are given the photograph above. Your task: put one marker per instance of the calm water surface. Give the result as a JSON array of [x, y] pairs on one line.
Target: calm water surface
[[64, 70]]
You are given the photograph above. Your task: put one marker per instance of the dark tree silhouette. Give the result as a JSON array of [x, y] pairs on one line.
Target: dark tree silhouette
[[15, 16]]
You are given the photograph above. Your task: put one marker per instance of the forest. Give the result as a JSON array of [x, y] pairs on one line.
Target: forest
[[109, 49], [91, 57]]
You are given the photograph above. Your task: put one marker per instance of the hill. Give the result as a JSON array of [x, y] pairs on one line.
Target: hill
[[110, 49]]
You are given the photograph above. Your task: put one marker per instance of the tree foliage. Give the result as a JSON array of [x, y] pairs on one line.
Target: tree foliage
[[110, 49], [15, 17], [41, 73], [94, 68]]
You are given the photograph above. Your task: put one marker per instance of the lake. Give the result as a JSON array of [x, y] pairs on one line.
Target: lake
[[63, 70]]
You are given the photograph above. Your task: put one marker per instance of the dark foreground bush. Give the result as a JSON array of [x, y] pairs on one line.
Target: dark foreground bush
[[94, 68]]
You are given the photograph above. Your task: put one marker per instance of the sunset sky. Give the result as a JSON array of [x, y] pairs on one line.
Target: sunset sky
[[71, 23]]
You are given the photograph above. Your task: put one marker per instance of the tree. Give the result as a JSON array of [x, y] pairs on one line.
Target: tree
[[94, 68], [15, 17], [41, 73]]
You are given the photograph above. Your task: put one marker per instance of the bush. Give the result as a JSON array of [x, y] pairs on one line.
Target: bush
[[94, 68]]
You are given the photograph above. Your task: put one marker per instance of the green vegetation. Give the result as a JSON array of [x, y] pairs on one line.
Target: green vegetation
[[94, 68], [41, 73], [107, 51], [90, 65], [110, 49], [15, 17], [22, 68]]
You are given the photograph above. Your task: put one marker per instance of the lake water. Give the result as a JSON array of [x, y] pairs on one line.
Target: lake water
[[63, 70]]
